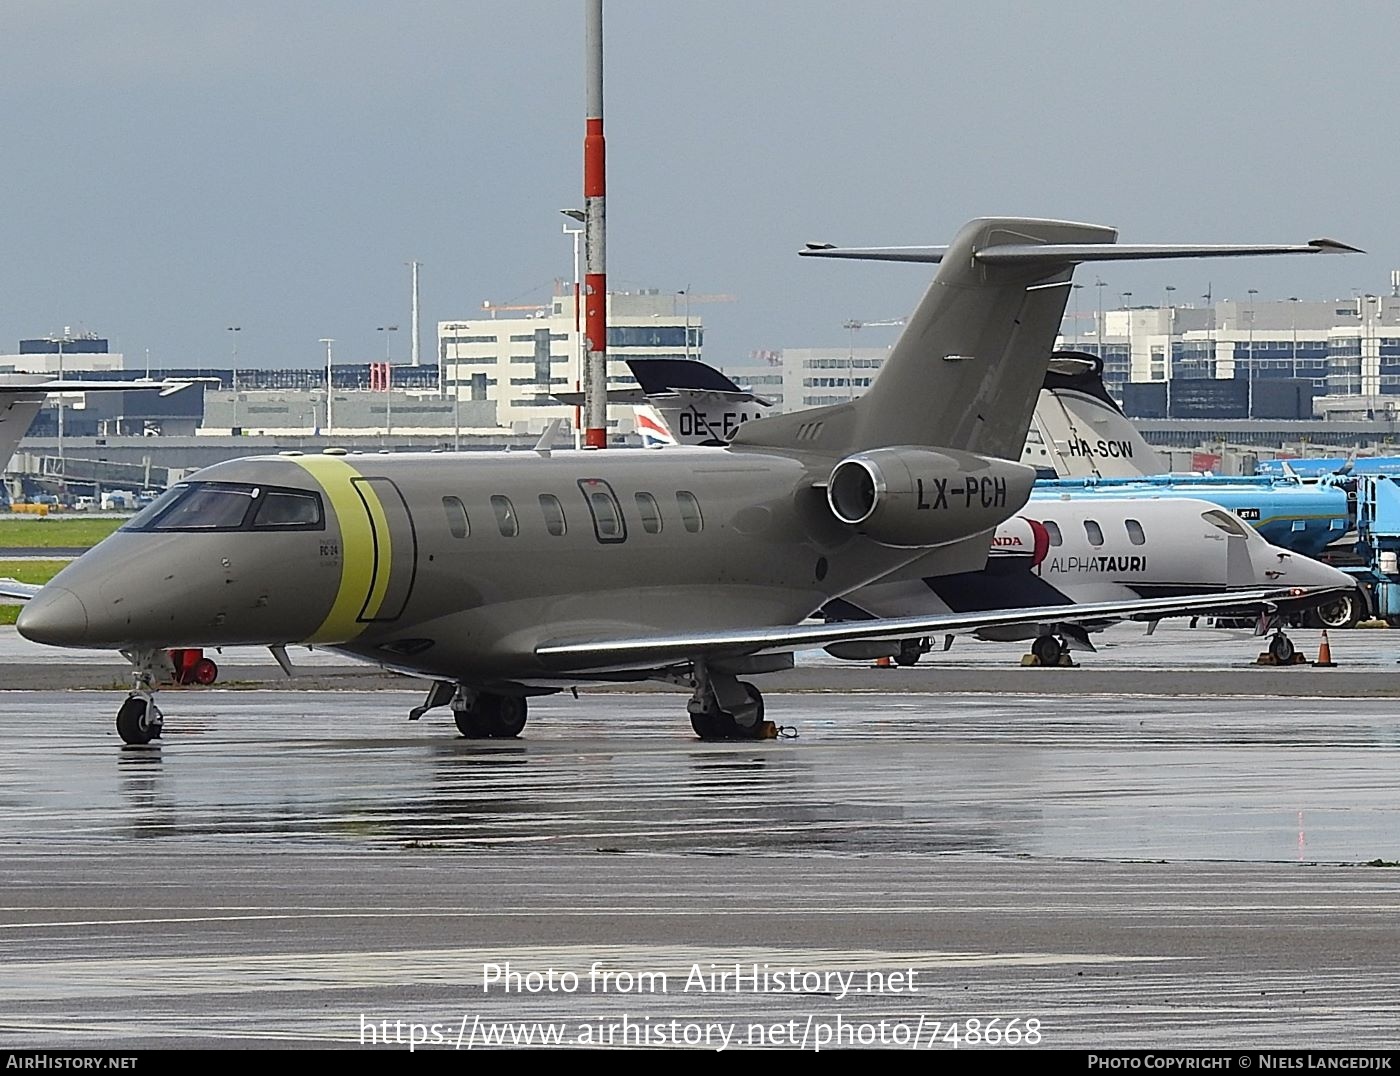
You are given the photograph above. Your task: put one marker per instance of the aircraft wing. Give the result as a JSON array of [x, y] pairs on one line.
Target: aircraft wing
[[78, 385], [600, 655], [17, 591]]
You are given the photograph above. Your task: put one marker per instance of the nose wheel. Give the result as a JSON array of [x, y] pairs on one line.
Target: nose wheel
[[139, 720]]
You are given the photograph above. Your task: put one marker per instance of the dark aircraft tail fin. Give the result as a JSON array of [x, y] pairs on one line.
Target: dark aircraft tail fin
[[967, 369]]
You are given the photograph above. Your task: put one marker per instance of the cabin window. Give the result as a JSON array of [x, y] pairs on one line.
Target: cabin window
[[553, 513], [1134, 529], [608, 524], [457, 521], [505, 516], [650, 512], [288, 510], [690, 511], [1093, 532], [1053, 529]]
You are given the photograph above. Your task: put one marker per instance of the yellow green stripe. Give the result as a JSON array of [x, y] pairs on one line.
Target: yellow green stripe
[[354, 504]]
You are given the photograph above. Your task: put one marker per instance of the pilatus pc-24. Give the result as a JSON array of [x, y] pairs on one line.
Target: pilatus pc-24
[[504, 576]]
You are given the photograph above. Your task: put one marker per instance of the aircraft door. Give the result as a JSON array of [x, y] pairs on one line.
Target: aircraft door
[[395, 550]]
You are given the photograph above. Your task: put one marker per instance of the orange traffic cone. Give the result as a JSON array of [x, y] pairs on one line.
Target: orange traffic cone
[[884, 663], [1324, 653]]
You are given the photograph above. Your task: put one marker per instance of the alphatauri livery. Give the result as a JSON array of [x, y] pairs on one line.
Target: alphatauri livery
[[1053, 554], [510, 575], [1066, 554]]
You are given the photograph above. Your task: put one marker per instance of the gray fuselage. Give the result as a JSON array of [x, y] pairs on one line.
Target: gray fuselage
[[459, 566]]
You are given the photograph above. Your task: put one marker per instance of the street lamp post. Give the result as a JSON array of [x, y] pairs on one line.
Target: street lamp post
[[1170, 317], [1127, 298], [1249, 371], [1100, 285], [578, 216], [389, 378], [235, 330], [686, 293], [328, 341], [62, 466], [1075, 290], [1293, 354]]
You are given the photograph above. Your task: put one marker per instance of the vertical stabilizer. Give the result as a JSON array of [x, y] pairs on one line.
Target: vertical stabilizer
[[969, 364], [1084, 431]]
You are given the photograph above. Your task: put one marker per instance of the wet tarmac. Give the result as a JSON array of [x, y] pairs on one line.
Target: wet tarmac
[[294, 868]]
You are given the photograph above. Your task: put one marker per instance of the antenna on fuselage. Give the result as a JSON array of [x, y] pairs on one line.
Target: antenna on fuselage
[[546, 441]]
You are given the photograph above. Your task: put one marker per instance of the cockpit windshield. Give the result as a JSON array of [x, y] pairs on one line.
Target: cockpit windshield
[[230, 506], [1226, 522]]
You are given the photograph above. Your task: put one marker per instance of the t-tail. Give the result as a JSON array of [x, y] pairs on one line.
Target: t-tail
[[967, 369]]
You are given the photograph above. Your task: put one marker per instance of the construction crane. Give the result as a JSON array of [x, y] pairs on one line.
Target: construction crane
[[855, 326]]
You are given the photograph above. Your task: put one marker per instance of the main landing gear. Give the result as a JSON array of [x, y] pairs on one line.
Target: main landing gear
[[479, 715], [499, 717], [725, 708], [139, 720], [1049, 651]]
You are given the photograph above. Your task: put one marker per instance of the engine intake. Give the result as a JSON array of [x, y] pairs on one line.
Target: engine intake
[[924, 496]]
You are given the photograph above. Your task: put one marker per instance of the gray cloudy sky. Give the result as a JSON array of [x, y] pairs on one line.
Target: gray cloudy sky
[[172, 168]]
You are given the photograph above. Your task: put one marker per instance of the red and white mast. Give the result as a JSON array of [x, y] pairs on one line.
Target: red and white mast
[[595, 278]]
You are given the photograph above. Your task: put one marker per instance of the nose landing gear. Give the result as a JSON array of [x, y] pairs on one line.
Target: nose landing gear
[[139, 720]]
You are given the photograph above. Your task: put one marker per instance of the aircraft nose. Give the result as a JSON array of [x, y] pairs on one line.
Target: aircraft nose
[[55, 616]]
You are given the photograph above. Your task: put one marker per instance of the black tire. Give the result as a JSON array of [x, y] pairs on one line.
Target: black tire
[[508, 716], [1281, 649], [751, 732], [471, 723], [712, 725], [1047, 650], [138, 721], [910, 651], [1342, 612], [707, 725], [499, 717]]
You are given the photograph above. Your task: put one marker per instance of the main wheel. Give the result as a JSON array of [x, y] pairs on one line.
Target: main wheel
[[139, 721], [1342, 612], [1281, 649], [751, 732], [493, 716], [707, 724], [1047, 650], [910, 650], [507, 716], [472, 723], [722, 725]]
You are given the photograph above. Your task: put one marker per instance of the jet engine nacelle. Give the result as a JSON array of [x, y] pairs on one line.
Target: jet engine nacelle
[[926, 496]]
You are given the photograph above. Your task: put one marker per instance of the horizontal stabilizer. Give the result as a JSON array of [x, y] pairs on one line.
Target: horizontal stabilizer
[[41, 385], [1029, 254], [17, 591]]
